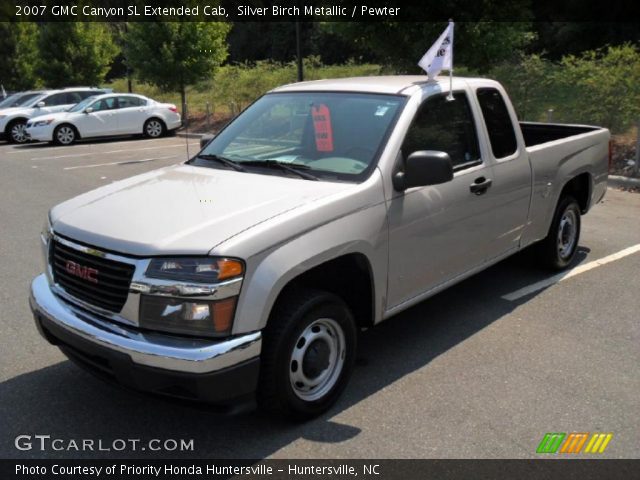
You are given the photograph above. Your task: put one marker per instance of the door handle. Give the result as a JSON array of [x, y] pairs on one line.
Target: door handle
[[480, 185]]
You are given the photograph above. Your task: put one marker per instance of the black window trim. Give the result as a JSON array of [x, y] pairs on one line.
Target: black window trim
[[516, 152], [462, 166]]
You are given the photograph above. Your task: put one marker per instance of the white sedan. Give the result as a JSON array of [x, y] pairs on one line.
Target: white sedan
[[103, 116]]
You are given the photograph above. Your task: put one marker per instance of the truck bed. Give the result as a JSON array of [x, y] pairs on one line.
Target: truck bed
[[537, 133], [558, 153]]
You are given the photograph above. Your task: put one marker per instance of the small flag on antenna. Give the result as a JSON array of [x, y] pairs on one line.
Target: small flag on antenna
[[440, 56]]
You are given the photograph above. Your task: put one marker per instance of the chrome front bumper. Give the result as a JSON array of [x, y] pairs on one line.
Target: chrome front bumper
[[176, 354]]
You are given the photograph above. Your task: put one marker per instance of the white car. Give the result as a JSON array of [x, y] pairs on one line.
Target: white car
[[13, 120], [106, 115]]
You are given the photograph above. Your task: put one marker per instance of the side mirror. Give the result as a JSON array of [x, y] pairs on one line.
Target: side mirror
[[422, 168], [40, 104], [88, 110], [205, 139]]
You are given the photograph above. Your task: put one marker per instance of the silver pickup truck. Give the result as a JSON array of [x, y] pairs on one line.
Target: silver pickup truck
[[323, 209]]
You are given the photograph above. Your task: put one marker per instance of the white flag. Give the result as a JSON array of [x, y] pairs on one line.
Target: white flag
[[440, 55]]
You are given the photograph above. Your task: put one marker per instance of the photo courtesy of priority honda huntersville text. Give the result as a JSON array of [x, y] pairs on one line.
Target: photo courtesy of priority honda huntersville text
[[323, 209]]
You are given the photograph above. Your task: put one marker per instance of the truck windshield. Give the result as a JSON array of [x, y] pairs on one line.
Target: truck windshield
[[334, 134]]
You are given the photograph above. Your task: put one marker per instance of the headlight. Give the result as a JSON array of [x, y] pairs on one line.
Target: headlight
[[199, 270], [42, 123], [185, 299]]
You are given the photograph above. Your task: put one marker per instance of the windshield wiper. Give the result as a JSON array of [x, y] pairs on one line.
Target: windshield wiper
[[223, 160], [295, 168]]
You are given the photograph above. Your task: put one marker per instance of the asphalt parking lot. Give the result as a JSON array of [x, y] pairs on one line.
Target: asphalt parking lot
[[478, 371]]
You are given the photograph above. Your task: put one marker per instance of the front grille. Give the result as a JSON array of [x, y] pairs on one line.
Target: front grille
[[113, 278]]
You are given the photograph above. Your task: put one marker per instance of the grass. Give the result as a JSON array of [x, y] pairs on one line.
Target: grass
[[233, 87]]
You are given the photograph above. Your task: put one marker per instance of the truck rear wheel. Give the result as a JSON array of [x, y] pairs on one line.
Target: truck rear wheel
[[308, 354], [559, 248]]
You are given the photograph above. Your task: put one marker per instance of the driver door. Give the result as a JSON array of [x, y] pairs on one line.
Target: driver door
[[102, 121], [439, 232]]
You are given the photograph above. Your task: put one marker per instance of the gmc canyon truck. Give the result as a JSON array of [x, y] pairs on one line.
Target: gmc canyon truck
[[323, 209]]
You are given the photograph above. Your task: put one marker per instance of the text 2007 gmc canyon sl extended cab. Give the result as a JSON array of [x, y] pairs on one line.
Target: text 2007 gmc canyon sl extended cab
[[324, 208]]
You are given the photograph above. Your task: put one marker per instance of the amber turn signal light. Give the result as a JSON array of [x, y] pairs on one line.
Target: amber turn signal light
[[229, 268]]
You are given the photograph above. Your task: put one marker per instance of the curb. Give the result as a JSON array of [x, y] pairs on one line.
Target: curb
[[618, 181], [189, 135]]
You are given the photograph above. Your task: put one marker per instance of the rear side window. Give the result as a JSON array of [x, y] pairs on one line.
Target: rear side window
[[127, 102], [445, 126], [499, 125]]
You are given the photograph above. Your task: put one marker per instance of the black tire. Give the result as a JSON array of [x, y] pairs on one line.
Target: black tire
[[65, 134], [15, 131], [297, 313], [154, 128], [555, 250]]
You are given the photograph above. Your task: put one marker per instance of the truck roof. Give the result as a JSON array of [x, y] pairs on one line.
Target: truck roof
[[389, 84]]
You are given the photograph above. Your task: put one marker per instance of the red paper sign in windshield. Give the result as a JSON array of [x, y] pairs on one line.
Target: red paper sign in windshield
[[322, 127]]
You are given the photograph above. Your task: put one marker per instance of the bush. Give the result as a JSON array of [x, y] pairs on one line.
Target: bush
[[599, 87], [529, 84], [606, 85], [234, 87]]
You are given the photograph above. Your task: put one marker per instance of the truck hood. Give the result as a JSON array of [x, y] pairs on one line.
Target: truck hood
[[181, 209]]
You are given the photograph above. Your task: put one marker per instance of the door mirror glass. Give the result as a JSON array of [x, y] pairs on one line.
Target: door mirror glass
[[88, 110], [40, 104], [422, 168]]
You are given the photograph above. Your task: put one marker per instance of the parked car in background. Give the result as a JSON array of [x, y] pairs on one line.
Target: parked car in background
[[106, 115], [13, 120]]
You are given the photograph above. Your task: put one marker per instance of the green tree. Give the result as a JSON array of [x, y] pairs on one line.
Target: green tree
[[19, 55], [606, 86], [530, 84], [399, 45], [74, 53], [174, 55]]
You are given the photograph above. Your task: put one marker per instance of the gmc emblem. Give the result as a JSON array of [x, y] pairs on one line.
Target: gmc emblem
[[86, 273]]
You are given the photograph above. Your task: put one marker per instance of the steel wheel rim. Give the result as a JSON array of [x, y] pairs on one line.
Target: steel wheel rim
[[311, 382], [567, 233], [19, 133], [154, 129], [65, 135]]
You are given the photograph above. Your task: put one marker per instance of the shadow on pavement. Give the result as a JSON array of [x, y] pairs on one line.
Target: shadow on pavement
[[65, 402]]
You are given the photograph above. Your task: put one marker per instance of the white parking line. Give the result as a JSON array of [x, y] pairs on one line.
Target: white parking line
[[124, 162], [32, 149], [98, 152], [522, 292]]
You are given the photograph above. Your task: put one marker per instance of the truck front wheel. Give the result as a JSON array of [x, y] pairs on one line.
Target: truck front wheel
[[308, 354], [559, 248]]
